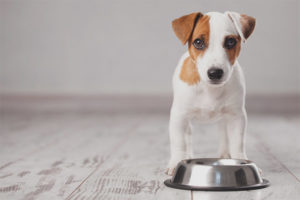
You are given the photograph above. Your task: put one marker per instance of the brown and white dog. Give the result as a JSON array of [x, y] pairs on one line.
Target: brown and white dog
[[208, 83]]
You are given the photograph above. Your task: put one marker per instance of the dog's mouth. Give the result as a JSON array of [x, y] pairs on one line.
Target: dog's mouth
[[216, 82]]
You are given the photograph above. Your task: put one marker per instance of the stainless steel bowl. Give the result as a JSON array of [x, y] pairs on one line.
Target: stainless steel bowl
[[217, 174]]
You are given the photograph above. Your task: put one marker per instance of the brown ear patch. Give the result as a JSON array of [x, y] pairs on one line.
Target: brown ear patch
[[201, 31], [183, 26], [234, 52], [248, 24], [189, 73]]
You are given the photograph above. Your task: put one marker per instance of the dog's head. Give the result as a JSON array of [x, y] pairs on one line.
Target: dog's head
[[214, 41]]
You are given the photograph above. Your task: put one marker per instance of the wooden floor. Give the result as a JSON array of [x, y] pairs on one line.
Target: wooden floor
[[77, 155]]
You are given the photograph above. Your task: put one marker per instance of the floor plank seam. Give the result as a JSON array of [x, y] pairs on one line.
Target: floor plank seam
[[267, 150], [114, 149]]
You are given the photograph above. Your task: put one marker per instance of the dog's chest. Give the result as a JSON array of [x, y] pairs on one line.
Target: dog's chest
[[207, 106]]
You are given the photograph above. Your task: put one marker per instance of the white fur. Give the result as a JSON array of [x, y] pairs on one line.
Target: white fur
[[206, 102], [235, 17]]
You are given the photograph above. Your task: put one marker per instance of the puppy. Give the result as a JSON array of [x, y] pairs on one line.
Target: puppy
[[208, 83]]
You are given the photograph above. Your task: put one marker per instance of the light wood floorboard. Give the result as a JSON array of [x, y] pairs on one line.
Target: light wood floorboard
[[75, 155]]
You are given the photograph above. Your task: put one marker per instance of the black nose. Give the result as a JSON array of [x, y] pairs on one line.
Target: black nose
[[215, 73]]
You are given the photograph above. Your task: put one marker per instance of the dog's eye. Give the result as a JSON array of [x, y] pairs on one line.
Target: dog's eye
[[199, 44], [230, 43]]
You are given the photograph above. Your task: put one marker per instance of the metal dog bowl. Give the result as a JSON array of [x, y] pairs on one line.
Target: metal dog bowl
[[216, 174]]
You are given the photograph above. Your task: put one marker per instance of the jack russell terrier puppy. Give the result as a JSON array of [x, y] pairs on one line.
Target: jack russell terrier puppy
[[208, 83]]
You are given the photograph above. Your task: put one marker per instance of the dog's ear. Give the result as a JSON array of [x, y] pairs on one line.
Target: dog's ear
[[244, 24], [183, 26]]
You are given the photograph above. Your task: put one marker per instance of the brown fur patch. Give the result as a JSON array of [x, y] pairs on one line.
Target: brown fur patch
[[248, 24], [235, 51], [201, 31], [183, 26], [189, 72]]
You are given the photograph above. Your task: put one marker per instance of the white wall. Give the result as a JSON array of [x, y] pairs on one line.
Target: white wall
[[97, 47]]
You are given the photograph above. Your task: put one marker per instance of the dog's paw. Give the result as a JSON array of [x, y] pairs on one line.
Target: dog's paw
[[170, 171], [225, 155], [260, 171], [171, 166]]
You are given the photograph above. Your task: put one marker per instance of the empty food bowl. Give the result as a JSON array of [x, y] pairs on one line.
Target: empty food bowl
[[215, 174]]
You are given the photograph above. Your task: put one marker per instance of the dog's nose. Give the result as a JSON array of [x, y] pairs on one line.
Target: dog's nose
[[215, 73]]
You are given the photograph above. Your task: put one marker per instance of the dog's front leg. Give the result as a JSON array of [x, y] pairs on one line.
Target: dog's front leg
[[223, 151], [236, 127], [180, 133]]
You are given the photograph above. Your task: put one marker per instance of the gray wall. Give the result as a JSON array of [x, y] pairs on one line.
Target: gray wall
[[100, 47]]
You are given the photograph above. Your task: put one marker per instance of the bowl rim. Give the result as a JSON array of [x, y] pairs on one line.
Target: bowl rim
[[247, 162], [264, 184]]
